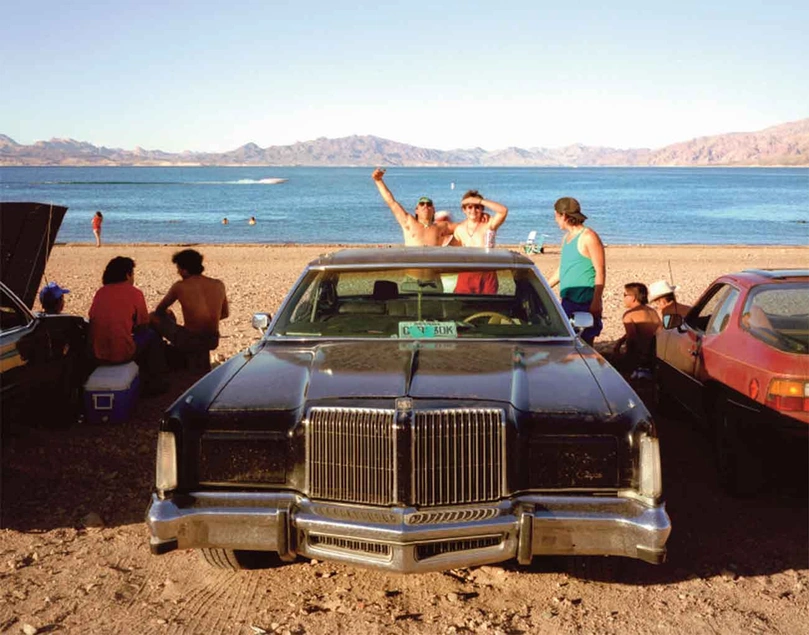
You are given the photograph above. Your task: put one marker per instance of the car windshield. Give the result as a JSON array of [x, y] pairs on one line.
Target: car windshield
[[434, 303], [778, 314]]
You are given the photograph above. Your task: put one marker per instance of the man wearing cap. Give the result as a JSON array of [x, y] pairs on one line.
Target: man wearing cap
[[52, 298], [582, 268], [661, 294], [419, 229]]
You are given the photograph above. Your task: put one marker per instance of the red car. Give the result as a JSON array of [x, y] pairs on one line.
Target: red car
[[740, 361]]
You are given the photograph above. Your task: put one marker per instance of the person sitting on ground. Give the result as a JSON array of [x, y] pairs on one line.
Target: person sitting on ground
[[203, 302], [52, 298], [661, 294], [478, 231], [420, 228], [119, 327], [641, 324]]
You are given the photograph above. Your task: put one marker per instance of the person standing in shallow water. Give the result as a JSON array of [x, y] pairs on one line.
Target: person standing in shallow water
[[97, 220]]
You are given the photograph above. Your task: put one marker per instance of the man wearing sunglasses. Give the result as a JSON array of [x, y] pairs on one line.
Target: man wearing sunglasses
[[420, 228], [478, 230]]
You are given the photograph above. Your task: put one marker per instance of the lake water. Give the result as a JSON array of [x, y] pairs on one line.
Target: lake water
[[341, 205]]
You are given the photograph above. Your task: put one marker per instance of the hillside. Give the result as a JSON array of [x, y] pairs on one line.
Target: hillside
[[783, 145]]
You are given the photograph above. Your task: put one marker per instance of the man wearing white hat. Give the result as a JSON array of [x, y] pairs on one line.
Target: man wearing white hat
[[661, 294]]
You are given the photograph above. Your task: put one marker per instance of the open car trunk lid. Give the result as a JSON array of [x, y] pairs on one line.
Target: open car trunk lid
[[27, 234]]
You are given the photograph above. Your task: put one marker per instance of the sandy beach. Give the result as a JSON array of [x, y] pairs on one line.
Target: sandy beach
[[258, 277], [75, 547]]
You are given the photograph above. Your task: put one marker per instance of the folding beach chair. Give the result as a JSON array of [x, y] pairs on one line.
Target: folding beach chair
[[532, 245]]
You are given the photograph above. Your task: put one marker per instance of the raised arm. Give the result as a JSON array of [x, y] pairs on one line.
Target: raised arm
[[402, 217], [500, 213]]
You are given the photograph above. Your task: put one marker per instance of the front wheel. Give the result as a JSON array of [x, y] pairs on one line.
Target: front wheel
[[739, 465], [238, 559]]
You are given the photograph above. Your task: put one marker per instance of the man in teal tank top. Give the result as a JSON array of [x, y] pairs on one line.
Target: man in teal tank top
[[582, 269]]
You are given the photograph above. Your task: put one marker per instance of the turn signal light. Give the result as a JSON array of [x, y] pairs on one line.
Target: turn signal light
[[788, 395]]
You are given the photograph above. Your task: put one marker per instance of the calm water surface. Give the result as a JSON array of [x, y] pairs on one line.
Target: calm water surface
[[342, 205]]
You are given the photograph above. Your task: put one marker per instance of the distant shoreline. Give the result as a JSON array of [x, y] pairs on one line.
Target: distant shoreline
[[406, 167]]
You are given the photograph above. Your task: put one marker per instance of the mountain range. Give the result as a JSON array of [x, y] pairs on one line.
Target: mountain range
[[782, 145]]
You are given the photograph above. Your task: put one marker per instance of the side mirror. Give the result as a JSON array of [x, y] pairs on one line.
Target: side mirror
[[581, 320], [672, 321], [261, 321]]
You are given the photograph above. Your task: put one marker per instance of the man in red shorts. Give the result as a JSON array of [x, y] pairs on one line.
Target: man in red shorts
[[472, 232]]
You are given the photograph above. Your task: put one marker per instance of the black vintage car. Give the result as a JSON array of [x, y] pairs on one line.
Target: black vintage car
[[392, 417], [40, 355]]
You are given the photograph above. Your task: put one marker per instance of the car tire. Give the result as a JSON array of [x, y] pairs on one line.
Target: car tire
[[237, 559], [739, 467], [595, 568]]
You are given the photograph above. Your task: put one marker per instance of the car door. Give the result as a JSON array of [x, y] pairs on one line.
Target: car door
[[683, 352], [17, 335]]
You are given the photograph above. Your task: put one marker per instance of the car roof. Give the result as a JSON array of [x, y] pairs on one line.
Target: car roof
[[416, 256], [779, 274], [28, 233], [752, 277]]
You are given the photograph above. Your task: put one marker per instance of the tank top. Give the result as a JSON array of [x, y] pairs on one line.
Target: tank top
[[577, 275]]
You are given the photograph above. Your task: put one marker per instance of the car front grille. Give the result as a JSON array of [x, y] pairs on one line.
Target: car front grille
[[351, 455], [456, 456]]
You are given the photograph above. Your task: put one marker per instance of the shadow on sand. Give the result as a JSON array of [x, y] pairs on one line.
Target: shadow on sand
[[54, 478]]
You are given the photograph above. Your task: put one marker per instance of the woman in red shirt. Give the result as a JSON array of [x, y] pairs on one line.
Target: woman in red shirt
[[97, 220]]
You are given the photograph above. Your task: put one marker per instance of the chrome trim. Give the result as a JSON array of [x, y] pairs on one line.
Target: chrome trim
[[351, 455], [457, 456], [463, 450], [531, 525]]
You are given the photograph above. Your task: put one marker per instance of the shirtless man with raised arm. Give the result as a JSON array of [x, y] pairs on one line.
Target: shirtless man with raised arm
[[419, 229], [203, 301]]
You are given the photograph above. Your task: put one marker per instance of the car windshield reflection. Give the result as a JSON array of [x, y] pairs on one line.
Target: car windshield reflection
[[435, 303]]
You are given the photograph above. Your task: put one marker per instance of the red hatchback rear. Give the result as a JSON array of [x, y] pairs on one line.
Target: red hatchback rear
[[740, 360]]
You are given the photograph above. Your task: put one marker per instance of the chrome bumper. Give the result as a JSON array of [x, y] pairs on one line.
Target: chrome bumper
[[408, 540]]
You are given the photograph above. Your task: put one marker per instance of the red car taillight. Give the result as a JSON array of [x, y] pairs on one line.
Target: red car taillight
[[788, 395]]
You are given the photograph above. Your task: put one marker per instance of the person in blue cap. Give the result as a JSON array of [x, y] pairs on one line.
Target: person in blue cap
[[52, 298]]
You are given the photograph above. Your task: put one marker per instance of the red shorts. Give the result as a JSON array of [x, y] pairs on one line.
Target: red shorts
[[477, 282]]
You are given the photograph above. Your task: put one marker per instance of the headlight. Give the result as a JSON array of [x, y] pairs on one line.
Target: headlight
[[651, 478], [166, 465]]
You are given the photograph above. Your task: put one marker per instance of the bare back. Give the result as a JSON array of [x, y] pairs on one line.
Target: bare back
[[203, 301]]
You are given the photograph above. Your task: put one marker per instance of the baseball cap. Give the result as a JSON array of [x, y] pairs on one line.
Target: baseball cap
[[426, 199], [568, 206], [52, 292]]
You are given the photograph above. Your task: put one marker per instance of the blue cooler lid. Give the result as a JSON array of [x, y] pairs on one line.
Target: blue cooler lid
[[118, 377]]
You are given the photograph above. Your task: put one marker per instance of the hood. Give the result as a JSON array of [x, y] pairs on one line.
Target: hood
[[543, 377], [27, 234]]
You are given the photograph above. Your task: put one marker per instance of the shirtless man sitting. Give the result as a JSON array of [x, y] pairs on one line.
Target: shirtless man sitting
[[641, 323], [419, 229], [472, 233], [204, 303]]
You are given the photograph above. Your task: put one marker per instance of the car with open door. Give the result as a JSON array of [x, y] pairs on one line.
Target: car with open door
[[41, 356], [739, 361]]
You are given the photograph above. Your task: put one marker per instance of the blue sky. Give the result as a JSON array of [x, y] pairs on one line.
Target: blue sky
[[211, 76]]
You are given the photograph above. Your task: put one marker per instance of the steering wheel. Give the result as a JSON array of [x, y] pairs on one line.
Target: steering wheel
[[494, 317]]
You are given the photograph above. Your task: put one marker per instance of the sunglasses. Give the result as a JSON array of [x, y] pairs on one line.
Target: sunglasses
[[428, 204], [472, 206]]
